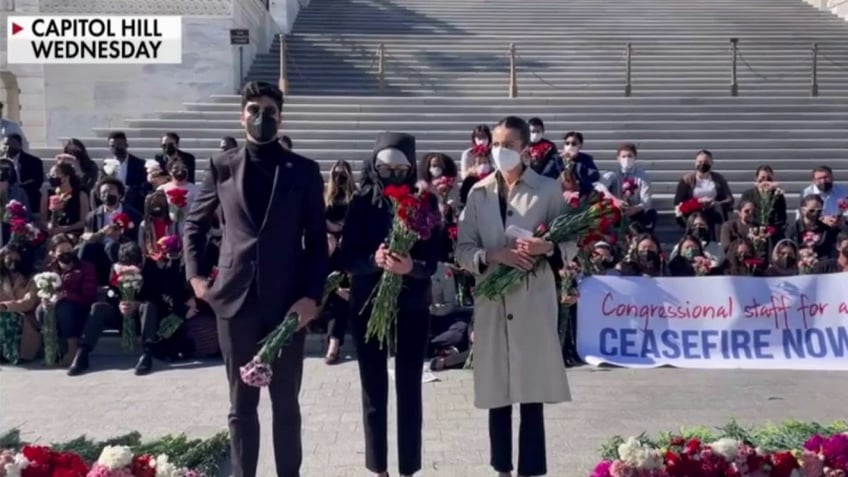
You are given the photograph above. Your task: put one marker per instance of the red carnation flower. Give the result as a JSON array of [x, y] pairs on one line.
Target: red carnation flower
[[123, 221], [18, 226], [540, 150], [178, 197], [688, 207], [396, 192], [783, 463], [144, 466], [15, 209], [213, 274], [481, 150], [542, 229], [453, 232], [771, 230], [843, 204], [68, 464], [753, 262]]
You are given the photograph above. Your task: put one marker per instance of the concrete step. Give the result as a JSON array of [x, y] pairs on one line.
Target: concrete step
[[143, 137]]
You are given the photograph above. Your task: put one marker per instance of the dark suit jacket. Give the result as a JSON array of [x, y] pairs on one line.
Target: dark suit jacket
[[189, 160], [283, 259], [31, 177], [135, 182], [96, 220]]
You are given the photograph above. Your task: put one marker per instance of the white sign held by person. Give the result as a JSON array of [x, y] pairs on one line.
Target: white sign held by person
[[96, 39], [798, 322]]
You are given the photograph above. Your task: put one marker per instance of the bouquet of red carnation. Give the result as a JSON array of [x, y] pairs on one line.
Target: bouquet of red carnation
[[258, 371], [753, 265], [481, 150], [415, 219], [14, 210], [123, 221], [443, 185], [629, 186], [687, 207], [810, 239], [540, 150], [593, 213], [177, 202], [701, 265]]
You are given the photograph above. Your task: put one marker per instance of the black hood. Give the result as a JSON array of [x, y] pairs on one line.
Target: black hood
[[403, 142]]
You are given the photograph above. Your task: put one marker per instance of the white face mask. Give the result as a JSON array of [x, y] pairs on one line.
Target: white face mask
[[535, 137], [505, 159], [627, 163], [484, 169], [571, 151], [481, 142], [435, 171]]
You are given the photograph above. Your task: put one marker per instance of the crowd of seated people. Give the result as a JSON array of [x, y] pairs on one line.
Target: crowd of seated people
[[90, 220]]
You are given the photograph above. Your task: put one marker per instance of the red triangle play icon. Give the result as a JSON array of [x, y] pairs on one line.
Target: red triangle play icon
[[16, 28]]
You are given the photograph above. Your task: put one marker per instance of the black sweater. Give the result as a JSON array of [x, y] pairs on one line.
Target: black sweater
[[367, 226]]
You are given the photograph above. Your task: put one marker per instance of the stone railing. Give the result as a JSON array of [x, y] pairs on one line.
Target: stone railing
[[205, 8]]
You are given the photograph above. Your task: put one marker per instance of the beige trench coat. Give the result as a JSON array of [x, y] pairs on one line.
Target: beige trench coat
[[517, 354]]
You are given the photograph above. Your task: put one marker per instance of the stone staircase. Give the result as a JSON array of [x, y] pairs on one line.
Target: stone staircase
[[446, 70]]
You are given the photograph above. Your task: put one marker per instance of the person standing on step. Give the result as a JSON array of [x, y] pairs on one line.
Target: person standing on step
[[365, 257], [517, 353], [273, 261]]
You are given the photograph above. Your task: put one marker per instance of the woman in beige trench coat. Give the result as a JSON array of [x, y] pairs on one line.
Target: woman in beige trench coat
[[517, 355]]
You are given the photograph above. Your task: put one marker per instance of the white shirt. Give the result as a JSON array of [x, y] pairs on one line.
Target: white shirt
[[704, 189], [122, 169], [107, 216]]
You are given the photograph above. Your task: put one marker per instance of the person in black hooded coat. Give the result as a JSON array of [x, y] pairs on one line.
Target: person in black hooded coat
[[366, 229]]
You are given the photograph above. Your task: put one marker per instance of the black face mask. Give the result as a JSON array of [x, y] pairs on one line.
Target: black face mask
[[180, 174], [341, 179], [110, 199], [649, 257], [12, 151], [787, 262], [65, 258], [169, 149], [54, 181], [538, 165], [393, 179], [826, 186], [262, 127], [119, 151], [703, 167], [5, 175], [813, 216], [701, 233]]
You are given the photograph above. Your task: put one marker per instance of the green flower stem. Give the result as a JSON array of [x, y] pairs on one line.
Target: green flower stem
[[273, 344], [50, 331]]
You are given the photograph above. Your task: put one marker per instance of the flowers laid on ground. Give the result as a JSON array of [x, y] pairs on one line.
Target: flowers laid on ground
[[49, 287], [258, 371], [415, 218], [111, 167], [687, 207], [123, 456], [128, 280], [793, 449], [591, 218], [177, 202]]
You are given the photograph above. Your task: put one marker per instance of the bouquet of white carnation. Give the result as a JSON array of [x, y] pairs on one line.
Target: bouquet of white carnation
[[49, 286]]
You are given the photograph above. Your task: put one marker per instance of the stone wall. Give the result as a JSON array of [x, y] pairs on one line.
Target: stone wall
[[60, 101]]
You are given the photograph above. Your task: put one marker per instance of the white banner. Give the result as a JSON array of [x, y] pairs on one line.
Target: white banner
[[798, 322], [96, 39]]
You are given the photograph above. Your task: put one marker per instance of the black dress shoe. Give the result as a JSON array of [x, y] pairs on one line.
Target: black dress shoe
[[80, 363], [144, 365]]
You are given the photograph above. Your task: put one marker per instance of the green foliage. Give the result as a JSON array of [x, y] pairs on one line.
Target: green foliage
[[788, 435], [204, 455]]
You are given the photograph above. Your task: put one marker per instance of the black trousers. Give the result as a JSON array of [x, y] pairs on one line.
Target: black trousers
[[338, 312], [75, 320], [106, 315], [531, 439], [648, 219], [411, 343], [239, 339]]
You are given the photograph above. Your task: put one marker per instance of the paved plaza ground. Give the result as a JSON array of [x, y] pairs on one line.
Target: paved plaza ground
[[47, 405]]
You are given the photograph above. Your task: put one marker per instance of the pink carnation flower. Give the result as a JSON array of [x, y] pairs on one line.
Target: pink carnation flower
[[256, 373], [100, 470]]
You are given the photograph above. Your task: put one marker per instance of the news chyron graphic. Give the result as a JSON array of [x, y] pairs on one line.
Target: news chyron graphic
[[94, 39]]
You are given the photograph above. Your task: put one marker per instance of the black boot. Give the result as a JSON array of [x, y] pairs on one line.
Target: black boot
[[80, 363], [144, 365]]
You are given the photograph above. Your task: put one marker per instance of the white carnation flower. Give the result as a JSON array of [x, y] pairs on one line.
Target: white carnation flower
[[115, 457], [641, 456], [165, 468], [14, 468], [726, 447], [111, 166]]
